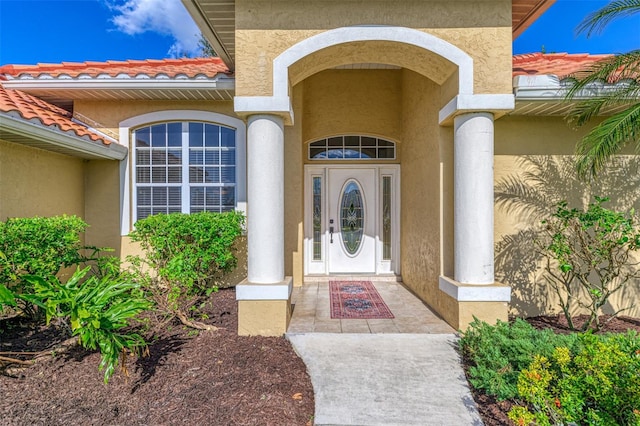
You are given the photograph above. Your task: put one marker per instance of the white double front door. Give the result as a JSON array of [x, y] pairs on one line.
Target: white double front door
[[351, 219]]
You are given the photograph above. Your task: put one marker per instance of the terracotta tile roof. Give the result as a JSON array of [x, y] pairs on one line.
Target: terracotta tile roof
[[27, 107], [560, 64], [171, 68]]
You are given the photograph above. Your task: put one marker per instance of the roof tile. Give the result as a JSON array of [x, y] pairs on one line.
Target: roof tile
[[30, 107], [560, 64], [190, 67]]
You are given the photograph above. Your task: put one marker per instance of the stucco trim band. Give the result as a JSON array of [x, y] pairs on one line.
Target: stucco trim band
[[279, 102], [473, 292], [343, 35], [256, 291], [498, 104]]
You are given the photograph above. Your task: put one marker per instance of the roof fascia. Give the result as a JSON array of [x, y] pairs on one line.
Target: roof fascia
[[208, 32], [227, 83], [541, 7], [28, 129]]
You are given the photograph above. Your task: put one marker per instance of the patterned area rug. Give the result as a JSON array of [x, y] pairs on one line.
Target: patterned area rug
[[357, 300]]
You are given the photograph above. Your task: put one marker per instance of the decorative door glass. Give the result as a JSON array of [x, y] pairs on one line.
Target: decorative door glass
[[352, 217], [386, 217], [317, 218]]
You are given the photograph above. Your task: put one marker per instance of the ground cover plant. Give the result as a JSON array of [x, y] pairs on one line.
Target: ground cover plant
[[94, 310], [102, 315], [540, 372], [190, 377]]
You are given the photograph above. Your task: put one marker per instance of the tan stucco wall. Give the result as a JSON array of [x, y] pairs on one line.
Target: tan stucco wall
[[265, 29], [294, 191], [551, 142], [108, 115], [420, 193], [34, 182], [263, 317], [102, 204], [353, 101]]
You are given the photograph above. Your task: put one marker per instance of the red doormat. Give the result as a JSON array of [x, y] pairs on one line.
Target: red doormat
[[357, 300]]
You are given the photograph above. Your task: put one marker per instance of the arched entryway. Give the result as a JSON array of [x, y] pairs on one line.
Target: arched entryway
[[446, 220]]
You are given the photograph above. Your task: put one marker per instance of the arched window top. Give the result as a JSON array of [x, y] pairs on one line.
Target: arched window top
[[352, 147]]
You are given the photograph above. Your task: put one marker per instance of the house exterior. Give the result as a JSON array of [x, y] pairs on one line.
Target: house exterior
[[360, 138]]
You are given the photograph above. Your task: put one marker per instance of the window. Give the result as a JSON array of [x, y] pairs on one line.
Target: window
[[186, 167], [352, 148]]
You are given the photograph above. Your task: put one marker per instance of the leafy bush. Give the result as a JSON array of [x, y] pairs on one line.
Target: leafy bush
[[97, 309], [588, 254], [597, 384], [501, 351], [185, 254], [36, 246]]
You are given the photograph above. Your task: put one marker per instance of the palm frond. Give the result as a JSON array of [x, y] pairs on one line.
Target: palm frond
[[596, 21], [606, 139], [518, 197], [613, 69], [584, 111]]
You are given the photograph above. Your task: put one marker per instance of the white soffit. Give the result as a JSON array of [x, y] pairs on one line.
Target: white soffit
[[545, 95], [220, 87], [216, 19], [33, 133]]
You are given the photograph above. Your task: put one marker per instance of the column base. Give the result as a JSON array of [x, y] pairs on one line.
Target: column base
[[462, 302], [264, 309]]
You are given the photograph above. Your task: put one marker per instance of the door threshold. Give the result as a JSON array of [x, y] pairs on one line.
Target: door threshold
[[353, 277]]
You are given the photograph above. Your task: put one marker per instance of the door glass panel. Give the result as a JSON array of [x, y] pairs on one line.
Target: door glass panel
[[352, 217], [317, 218], [386, 217]]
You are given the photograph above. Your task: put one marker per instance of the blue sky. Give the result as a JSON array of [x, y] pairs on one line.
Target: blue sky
[[53, 31]]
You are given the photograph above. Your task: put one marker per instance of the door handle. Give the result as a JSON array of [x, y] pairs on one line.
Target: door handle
[[331, 234]]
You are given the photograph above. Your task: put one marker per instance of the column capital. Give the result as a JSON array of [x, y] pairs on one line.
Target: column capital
[[495, 104], [246, 106]]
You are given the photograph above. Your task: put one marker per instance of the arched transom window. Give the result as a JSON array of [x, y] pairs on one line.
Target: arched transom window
[[184, 167], [352, 147]]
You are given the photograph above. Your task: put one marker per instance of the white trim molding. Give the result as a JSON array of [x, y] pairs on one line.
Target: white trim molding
[[473, 292], [272, 291], [126, 126], [279, 103], [496, 104], [344, 35]]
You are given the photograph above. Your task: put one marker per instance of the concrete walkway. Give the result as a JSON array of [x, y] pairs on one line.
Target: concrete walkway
[[386, 379], [401, 371]]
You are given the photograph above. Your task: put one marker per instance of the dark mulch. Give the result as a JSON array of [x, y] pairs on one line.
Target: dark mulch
[[494, 412], [206, 378]]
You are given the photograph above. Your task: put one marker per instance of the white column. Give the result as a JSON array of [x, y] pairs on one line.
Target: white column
[[473, 198], [265, 199]]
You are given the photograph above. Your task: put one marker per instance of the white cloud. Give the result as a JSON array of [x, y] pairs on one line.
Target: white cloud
[[167, 17]]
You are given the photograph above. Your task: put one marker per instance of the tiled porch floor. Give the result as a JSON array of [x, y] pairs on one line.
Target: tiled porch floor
[[312, 312]]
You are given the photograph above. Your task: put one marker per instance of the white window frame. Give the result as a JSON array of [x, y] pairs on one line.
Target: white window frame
[[127, 184]]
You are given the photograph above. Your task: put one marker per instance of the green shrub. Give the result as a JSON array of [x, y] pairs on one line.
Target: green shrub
[[185, 255], [97, 310], [36, 246], [596, 384], [589, 257], [499, 352]]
